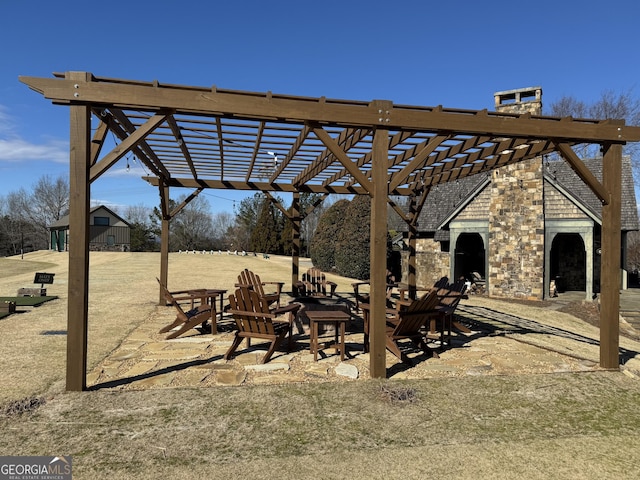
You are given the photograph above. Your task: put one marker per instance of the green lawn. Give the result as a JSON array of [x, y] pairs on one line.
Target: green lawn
[[27, 301]]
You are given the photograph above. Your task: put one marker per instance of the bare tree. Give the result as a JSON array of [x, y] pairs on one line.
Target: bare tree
[[34, 212], [222, 223], [26, 230], [610, 105], [191, 229], [51, 199], [138, 214]]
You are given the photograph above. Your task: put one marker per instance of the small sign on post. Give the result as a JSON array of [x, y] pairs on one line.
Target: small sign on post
[[40, 278], [43, 278]]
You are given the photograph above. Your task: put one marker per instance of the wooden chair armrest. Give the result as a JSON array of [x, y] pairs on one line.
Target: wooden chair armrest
[[277, 284], [251, 314], [292, 307], [404, 290], [356, 286], [403, 302], [366, 307]]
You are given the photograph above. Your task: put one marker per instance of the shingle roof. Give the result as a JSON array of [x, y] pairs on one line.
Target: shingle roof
[[445, 199], [64, 221], [559, 172]]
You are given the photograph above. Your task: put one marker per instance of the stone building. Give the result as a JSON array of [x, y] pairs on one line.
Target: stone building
[[523, 228]]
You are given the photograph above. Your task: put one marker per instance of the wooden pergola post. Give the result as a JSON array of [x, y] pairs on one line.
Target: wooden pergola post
[[378, 246], [164, 241], [610, 266], [295, 242], [411, 240], [79, 200]]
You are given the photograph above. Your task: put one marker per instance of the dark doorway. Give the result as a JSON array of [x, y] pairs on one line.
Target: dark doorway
[[469, 256], [569, 262]]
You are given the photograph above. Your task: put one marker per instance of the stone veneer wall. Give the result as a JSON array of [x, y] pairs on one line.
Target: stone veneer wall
[[431, 263], [516, 232]]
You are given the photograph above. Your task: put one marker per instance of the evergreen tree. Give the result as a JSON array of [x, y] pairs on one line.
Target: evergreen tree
[[287, 235], [352, 252], [323, 243], [266, 236], [245, 222], [142, 238]]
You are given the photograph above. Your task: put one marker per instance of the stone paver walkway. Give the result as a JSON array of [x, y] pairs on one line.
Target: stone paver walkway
[[499, 344]]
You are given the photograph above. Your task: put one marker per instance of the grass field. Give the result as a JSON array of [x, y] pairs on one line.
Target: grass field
[[565, 426]]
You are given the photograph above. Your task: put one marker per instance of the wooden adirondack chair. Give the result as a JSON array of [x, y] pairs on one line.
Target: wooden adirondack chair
[[406, 321], [314, 283], [251, 280], [189, 319], [441, 320], [364, 298], [254, 320]]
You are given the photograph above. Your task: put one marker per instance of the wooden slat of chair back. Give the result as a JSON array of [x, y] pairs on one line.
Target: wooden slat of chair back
[[415, 315], [314, 282], [316, 278], [184, 319], [409, 323], [247, 277], [427, 302], [251, 312], [165, 293], [451, 295]]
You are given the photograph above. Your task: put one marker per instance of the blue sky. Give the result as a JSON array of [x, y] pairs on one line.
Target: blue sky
[[455, 54]]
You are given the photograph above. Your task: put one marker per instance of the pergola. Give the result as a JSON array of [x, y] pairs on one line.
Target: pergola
[[200, 138]]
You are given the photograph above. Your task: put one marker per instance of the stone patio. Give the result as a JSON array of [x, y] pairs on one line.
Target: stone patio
[[499, 344]]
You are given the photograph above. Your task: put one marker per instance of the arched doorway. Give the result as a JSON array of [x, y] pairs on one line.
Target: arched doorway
[[569, 262], [469, 256]]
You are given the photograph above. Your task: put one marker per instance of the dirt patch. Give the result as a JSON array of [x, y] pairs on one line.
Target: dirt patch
[[20, 407], [586, 311]]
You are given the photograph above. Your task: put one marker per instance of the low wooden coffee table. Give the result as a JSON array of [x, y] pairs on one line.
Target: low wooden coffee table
[[338, 318]]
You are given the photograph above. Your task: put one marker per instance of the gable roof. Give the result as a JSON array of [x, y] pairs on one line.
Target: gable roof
[[64, 221], [560, 174], [447, 200]]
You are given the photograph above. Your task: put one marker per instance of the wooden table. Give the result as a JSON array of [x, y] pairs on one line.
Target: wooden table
[[208, 296], [338, 318]]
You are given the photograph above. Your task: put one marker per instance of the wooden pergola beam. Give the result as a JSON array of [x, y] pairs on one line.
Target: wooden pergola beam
[[128, 144], [200, 101], [263, 186], [583, 172]]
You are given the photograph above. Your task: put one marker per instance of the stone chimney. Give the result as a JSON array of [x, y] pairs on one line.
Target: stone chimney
[[516, 214], [522, 100]]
